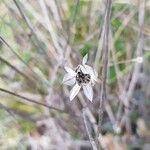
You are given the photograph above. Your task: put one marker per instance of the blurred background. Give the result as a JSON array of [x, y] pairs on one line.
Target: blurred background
[[37, 39]]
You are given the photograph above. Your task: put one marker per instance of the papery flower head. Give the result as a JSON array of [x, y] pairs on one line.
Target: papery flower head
[[84, 76]]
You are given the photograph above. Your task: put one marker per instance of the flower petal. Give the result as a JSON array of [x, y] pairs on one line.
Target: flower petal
[[70, 71], [68, 79], [95, 73], [88, 68], [88, 91], [92, 72], [74, 91], [84, 69], [85, 58]]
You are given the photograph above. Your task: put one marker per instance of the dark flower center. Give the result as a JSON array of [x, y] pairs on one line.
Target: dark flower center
[[82, 78]]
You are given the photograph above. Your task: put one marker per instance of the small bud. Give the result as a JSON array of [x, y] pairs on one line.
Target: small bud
[[138, 59]]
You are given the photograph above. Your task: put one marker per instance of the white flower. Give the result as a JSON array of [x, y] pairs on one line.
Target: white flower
[[138, 59], [83, 77]]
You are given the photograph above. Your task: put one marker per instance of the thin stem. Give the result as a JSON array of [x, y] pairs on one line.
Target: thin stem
[[88, 130], [103, 96], [13, 51], [31, 100], [137, 66], [14, 68]]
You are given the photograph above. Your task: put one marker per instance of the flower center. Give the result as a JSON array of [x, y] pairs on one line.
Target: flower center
[[82, 78]]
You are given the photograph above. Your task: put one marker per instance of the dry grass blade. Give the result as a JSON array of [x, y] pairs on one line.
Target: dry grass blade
[[106, 47], [31, 100], [92, 141], [33, 72], [17, 70]]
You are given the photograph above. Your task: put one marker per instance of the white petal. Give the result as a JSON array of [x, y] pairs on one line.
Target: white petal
[[88, 91], [92, 72], [85, 58], [70, 71], [69, 80], [83, 69], [74, 91], [94, 75], [88, 68]]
